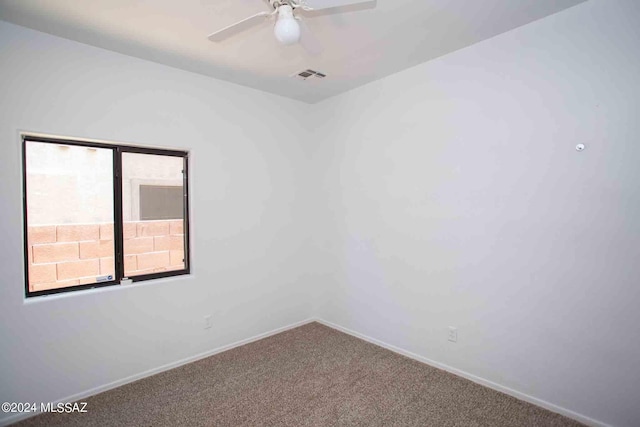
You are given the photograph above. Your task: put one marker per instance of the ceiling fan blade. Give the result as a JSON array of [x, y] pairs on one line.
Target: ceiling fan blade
[[308, 40], [331, 4], [238, 27]]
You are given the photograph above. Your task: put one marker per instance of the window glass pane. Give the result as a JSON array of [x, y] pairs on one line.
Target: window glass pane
[[153, 213], [69, 191]]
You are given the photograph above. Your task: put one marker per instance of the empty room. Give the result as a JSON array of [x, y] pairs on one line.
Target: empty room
[[320, 213]]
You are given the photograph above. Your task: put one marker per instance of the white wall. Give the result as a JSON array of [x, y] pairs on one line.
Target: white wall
[[247, 181], [452, 194], [448, 194]]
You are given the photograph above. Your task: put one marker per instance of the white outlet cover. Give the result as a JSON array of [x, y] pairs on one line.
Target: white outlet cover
[[453, 334], [207, 322]]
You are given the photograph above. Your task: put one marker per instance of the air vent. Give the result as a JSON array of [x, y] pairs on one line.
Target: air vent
[[304, 75]]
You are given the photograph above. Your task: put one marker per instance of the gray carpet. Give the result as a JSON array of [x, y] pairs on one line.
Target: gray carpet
[[309, 376]]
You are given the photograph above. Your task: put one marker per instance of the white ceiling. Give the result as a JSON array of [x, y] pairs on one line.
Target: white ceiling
[[358, 47]]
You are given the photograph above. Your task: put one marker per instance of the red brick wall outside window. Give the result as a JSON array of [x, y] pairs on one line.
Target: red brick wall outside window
[[70, 255]]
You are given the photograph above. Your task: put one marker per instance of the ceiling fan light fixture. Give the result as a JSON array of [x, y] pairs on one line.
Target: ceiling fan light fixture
[[287, 29]]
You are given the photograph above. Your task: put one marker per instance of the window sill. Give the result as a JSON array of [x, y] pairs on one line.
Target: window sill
[[104, 289]]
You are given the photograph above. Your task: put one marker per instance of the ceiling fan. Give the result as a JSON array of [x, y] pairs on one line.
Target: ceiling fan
[[287, 13]]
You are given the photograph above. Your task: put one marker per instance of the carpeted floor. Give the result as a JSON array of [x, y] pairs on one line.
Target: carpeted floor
[[309, 376]]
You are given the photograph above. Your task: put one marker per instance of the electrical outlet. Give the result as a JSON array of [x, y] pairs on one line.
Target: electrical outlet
[[208, 322], [453, 334]]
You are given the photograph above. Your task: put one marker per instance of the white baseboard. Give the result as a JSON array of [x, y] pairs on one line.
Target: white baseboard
[[87, 393], [484, 382]]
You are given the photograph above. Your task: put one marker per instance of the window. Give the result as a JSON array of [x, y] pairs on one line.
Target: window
[[95, 213]]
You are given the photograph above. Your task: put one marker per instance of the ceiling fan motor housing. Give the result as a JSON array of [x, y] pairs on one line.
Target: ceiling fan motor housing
[[295, 4]]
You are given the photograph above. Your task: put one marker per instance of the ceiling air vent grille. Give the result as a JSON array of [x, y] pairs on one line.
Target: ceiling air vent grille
[[304, 75]]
